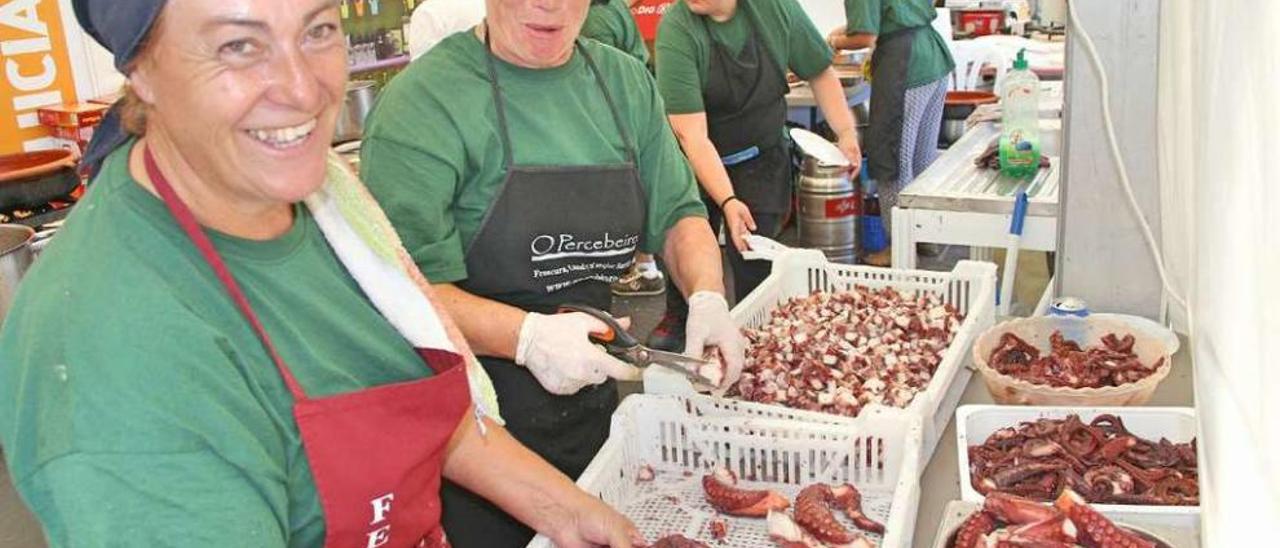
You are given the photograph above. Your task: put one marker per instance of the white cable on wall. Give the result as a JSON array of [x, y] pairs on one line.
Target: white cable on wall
[[1113, 143]]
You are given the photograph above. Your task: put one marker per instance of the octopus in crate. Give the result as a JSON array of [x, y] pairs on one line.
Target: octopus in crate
[[1111, 363], [813, 512], [837, 352], [721, 490], [677, 541], [787, 533], [1007, 521], [1101, 460]]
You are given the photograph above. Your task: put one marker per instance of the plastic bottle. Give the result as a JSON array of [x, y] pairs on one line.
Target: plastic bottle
[[1020, 137]]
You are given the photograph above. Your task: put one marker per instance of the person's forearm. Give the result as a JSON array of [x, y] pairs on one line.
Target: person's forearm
[[691, 132], [692, 257], [840, 40], [707, 168], [499, 469], [491, 328], [829, 95]]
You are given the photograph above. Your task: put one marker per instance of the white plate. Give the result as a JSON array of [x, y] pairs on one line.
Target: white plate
[[821, 149]]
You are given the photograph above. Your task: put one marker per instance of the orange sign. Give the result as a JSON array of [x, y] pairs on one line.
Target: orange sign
[[35, 71]]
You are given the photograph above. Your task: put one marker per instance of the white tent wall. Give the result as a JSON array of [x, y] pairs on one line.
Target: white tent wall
[[825, 14], [1220, 82], [92, 65]]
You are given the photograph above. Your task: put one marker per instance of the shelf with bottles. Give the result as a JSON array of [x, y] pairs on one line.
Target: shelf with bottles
[[375, 32]]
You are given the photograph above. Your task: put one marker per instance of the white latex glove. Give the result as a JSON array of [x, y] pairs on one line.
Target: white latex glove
[[557, 351], [709, 325]]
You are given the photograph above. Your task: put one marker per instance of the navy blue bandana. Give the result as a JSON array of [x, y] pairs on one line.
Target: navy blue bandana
[[121, 26]]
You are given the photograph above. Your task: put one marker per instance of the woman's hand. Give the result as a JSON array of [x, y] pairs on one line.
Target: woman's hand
[[848, 145], [557, 349], [594, 523], [738, 219], [710, 325]]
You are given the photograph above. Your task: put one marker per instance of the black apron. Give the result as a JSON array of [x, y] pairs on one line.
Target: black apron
[[746, 106], [554, 234], [890, 63]]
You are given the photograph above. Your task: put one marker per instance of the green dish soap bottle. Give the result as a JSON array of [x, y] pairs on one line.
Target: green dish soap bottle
[[1020, 137]]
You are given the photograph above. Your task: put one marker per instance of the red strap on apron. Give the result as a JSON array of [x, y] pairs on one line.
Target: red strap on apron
[[191, 227]]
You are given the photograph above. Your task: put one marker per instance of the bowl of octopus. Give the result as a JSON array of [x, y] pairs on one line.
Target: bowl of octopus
[[1056, 360]]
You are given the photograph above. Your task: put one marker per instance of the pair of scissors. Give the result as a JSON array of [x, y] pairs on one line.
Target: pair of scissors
[[620, 344]]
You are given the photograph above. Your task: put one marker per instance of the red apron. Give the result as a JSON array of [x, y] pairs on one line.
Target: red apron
[[376, 454]]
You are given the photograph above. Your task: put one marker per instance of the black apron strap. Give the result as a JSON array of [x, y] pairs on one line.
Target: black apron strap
[[503, 129], [608, 100], [507, 158]]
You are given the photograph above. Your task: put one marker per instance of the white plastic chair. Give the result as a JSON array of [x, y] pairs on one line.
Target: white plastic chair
[[970, 58]]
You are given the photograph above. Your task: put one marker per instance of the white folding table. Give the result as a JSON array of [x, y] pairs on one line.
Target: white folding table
[[956, 202]]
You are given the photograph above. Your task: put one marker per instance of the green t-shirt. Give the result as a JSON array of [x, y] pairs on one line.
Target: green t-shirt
[[138, 408], [930, 58], [611, 23], [683, 48], [432, 151]]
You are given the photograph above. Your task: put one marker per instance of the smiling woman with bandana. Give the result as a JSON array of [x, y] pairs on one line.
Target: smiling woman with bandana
[[226, 345]]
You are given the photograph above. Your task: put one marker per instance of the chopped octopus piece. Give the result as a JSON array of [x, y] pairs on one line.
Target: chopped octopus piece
[[644, 474], [721, 491]]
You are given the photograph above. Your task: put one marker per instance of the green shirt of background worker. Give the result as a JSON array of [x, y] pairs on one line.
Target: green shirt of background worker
[[523, 168], [722, 68], [610, 22], [910, 65]]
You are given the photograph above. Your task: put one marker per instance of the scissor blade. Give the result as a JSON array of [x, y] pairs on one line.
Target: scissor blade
[[679, 363]]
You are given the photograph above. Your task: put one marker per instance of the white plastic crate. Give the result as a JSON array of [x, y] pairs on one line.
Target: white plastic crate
[[975, 423], [970, 287], [682, 438]]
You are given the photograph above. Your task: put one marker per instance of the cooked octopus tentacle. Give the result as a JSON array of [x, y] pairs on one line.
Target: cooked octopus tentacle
[[1095, 529], [721, 491], [974, 530], [1017, 510]]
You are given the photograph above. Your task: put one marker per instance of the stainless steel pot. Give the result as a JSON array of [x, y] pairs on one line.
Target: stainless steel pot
[[15, 259], [356, 107]]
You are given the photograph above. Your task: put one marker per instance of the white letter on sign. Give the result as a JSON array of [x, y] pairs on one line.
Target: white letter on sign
[[379, 537], [21, 14], [31, 83], [381, 506]]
